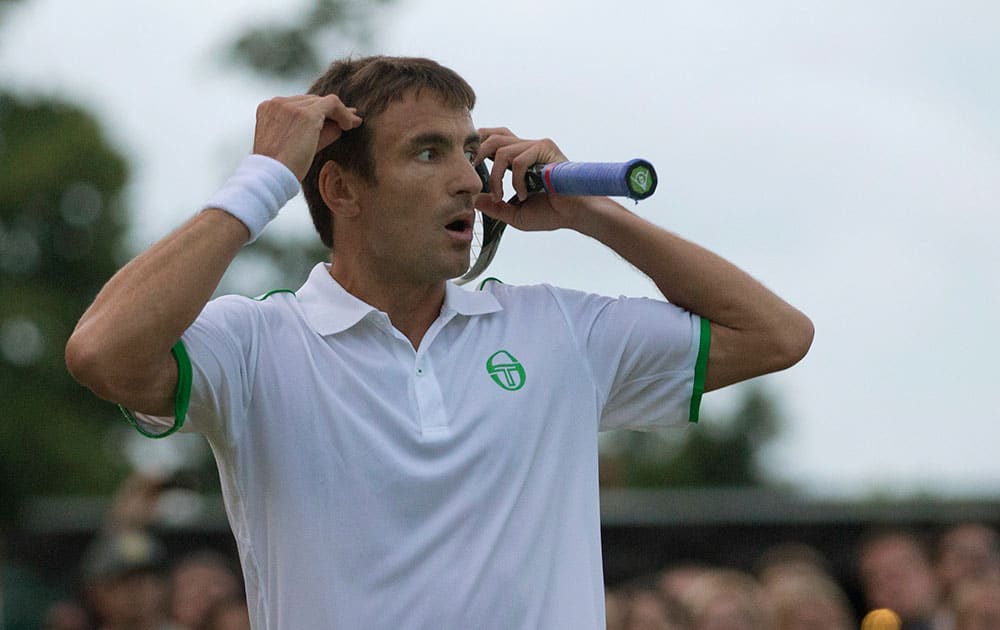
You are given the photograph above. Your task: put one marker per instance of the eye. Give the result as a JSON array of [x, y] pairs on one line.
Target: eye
[[426, 155], [470, 155]]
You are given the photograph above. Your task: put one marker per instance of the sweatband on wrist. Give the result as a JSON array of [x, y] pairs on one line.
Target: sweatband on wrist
[[256, 192]]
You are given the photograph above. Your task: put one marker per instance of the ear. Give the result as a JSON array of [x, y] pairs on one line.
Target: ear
[[339, 190]]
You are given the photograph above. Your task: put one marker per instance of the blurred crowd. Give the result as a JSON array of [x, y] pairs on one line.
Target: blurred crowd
[[949, 583], [129, 585], [127, 581]]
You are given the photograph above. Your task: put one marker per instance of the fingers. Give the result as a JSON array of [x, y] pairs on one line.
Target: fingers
[[329, 107], [346, 117], [338, 119], [518, 157], [292, 129], [485, 133], [498, 209], [510, 152]]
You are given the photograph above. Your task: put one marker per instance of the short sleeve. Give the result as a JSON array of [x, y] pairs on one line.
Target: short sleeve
[[214, 359], [647, 357]]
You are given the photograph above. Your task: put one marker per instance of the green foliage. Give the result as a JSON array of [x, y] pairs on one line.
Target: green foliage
[[300, 50], [62, 229], [61, 224], [716, 452]]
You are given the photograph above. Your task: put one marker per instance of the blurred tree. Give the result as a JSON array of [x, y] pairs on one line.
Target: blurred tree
[[61, 227], [299, 50], [715, 452], [296, 52]]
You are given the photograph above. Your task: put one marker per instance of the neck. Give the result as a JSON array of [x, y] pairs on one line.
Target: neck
[[411, 306]]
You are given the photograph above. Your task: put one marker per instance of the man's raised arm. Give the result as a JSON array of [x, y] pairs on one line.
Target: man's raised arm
[[753, 331], [121, 347]]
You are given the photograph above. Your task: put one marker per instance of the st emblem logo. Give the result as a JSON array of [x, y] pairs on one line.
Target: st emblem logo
[[505, 370]]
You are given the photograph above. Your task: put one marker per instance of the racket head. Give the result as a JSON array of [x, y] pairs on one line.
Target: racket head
[[486, 235], [485, 241]]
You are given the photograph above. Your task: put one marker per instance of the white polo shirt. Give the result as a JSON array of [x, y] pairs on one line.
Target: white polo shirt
[[372, 485]]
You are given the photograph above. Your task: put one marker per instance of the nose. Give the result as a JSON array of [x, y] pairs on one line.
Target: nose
[[467, 181]]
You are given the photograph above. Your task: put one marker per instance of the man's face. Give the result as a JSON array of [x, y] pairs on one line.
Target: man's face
[[196, 587], [417, 220], [133, 597], [968, 551], [897, 575]]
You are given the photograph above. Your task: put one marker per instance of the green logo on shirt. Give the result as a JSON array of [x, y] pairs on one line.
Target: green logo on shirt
[[505, 370]]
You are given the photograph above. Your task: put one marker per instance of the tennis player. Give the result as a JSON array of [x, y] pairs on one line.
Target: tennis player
[[396, 451]]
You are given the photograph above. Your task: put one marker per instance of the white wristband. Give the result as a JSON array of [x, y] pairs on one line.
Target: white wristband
[[256, 192]]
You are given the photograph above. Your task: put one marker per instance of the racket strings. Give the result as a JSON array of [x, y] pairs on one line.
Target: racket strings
[[486, 235]]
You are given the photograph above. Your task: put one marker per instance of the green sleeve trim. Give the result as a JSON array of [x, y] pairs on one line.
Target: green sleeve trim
[[182, 398], [700, 368], [272, 292]]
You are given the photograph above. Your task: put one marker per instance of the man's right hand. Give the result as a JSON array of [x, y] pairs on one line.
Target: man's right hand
[[293, 129]]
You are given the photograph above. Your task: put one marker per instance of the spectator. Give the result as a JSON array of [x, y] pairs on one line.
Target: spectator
[[646, 607], [801, 590], [895, 571], [135, 503], [676, 581], [227, 614], [648, 610], [197, 582], [728, 599], [66, 614], [124, 583], [967, 551], [808, 600], [977, 604], [790, 559], [615, 607]]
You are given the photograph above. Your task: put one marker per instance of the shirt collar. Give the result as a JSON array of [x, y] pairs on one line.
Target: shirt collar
[[330, 309]]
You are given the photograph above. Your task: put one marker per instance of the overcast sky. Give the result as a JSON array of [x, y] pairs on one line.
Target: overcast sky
[[846, 154]]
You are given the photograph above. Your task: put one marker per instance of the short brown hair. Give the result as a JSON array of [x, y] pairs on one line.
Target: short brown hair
[[371, 84]]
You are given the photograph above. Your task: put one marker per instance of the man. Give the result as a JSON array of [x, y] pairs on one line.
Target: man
[[977, 604], [964, 552], [124, 583], [895, 570], [375, 473], [199, 581]]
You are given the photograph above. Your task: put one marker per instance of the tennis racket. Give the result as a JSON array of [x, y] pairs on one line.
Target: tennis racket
[[635, 179]]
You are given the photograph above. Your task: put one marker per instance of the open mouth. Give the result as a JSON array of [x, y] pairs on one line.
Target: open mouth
[[459, 225]]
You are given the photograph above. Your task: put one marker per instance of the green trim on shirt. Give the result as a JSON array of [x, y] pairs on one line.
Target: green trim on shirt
[[700, 368], [182, 398], [491, 278], [261, 298]]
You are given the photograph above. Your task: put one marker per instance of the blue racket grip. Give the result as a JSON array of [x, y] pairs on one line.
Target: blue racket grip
[[635, 179]]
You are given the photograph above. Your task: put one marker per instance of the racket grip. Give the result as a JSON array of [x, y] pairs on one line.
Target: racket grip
[[635, 179]]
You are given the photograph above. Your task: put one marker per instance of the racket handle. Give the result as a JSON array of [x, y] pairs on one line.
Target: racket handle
[[635, 179]]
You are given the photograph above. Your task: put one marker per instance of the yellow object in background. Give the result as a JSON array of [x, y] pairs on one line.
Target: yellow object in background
[[881, 619]]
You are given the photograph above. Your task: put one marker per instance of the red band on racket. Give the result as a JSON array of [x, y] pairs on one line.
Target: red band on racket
[[547, 176]]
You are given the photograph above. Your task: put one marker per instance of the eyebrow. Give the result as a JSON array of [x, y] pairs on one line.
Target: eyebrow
[[439, 139]]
